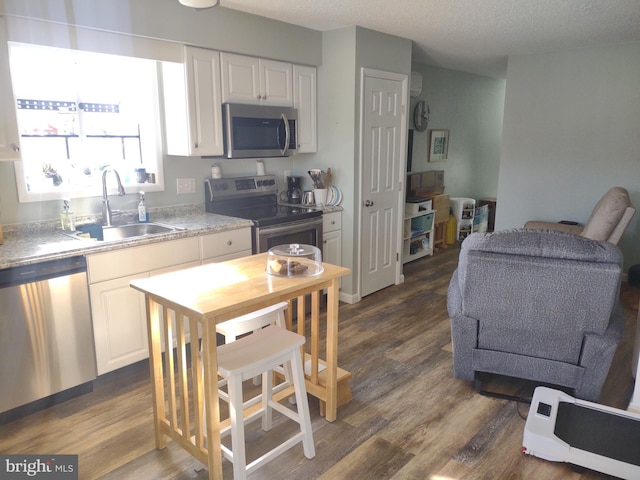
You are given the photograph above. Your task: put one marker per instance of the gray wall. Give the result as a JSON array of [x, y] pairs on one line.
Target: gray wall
[[217, 28], [471, 107], [345, 52], [571, 131]]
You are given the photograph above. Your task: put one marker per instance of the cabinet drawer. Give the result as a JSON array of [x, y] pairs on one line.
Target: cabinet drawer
[[225, 243], [331, 222], [145, 258]]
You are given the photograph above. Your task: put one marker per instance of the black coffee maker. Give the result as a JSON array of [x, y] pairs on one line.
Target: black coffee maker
[[294, 190]]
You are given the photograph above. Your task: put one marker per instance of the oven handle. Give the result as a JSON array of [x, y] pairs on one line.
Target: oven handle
[[210, 188], [287, 134], [292, 227]]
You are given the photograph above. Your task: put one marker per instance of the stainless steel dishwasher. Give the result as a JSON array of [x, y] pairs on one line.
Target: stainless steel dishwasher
[[46, 337]]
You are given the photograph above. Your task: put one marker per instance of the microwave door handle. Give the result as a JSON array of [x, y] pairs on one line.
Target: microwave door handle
[[287, 134]]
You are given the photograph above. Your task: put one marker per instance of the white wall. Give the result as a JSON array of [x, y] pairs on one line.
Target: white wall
[[571, 131], [471, 107]]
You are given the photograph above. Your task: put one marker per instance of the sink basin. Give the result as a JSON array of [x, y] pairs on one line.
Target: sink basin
[[121, 232], [132, 230]]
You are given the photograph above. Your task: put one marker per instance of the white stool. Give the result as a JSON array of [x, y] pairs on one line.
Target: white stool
[[261, 352], [252, 322]]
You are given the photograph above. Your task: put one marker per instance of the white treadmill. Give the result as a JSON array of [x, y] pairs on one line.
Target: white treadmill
[[561, 428]]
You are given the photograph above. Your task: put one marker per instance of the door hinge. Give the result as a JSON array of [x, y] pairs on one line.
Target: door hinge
[[397, 256]]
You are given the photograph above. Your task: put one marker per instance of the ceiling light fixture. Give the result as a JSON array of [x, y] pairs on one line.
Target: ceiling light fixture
[[200, 3]]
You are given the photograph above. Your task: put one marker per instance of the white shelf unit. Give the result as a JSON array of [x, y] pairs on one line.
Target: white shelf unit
[[464, 210], [418, 235]]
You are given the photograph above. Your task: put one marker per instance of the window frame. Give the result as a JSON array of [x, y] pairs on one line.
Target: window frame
[[49, 34]]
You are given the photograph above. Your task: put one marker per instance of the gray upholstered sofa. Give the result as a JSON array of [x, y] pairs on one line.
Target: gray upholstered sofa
[[538, 305]]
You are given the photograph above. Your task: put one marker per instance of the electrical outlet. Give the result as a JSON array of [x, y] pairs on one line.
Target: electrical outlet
[[186, 185]]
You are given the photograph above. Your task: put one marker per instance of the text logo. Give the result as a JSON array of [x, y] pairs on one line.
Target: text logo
[[49, 467]]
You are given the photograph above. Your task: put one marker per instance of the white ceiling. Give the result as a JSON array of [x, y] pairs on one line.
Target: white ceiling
[[469, 35]]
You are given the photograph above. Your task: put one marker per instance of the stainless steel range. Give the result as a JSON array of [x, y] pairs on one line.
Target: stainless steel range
[[256, 199]]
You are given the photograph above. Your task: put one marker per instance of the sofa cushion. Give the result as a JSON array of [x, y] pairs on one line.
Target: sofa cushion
[[607, 214]]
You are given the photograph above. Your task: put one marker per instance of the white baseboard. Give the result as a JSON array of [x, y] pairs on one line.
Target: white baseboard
[[348, 298]]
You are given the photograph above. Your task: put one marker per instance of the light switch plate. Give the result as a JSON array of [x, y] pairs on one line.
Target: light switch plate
[[186, 185]]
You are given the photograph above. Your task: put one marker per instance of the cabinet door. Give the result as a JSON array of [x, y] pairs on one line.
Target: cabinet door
[[240, 79], [332, 247], [205, 106], [9, 140], [119, 325], [304, 100], [276, 83]]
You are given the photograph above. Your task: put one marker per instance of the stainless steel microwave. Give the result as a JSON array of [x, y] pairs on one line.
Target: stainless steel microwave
[[253, 131]]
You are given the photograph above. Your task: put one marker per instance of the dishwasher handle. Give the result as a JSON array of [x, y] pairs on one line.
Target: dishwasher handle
[[42, 271]]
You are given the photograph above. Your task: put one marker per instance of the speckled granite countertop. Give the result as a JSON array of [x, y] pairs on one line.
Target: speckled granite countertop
[[30, 243]]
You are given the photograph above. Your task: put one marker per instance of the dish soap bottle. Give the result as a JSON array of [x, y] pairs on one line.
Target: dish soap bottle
[[143, 216], [67, 218]]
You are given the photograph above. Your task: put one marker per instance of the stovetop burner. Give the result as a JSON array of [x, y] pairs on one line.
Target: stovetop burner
[[252, 198]]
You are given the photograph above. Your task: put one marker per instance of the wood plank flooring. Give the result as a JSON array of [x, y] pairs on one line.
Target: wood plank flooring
[[409, 418]]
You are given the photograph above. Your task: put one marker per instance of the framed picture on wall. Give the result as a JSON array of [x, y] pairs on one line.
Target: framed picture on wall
[[438, 145]]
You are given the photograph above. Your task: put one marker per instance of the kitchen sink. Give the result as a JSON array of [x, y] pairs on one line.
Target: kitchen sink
[[132, 230], [122, 232]]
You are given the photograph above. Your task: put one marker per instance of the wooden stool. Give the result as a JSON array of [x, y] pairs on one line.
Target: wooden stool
[[261, 352], [252, 322]]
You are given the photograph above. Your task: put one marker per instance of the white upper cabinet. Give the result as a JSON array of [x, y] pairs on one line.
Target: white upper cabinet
[[193, 107], [304, 100], [256, 81], [9, 139]]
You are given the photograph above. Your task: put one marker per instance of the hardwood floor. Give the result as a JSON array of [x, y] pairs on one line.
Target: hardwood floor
[[409, 418]]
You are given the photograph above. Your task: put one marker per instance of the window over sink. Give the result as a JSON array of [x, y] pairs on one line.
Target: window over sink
[[80, 112]]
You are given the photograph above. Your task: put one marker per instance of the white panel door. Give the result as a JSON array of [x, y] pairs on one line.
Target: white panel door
[[383, 158]]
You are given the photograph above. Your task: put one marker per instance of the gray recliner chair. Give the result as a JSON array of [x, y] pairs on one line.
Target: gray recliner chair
[[537, 305]]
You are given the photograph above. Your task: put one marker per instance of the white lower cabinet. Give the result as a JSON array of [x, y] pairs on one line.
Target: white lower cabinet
[[119, 311], [332, 238], [120, 335]]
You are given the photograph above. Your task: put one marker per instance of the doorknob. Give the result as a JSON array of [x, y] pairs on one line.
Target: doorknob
[[368, 203]]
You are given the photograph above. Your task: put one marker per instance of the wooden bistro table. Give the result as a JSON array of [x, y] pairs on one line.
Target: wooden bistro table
[[195, 300]]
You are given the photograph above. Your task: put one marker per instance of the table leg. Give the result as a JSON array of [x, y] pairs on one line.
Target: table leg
[[211, 404], [332, 350], [155, 365]]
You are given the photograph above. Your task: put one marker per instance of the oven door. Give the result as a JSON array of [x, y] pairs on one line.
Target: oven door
[[308, 232]]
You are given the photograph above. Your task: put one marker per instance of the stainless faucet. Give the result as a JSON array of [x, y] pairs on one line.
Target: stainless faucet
[[106, 209]]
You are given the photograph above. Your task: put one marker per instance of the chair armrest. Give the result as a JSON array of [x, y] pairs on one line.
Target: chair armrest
[[560, 227]]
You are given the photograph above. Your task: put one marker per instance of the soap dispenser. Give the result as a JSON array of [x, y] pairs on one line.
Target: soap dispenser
[[143, 216], [67, 218]]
